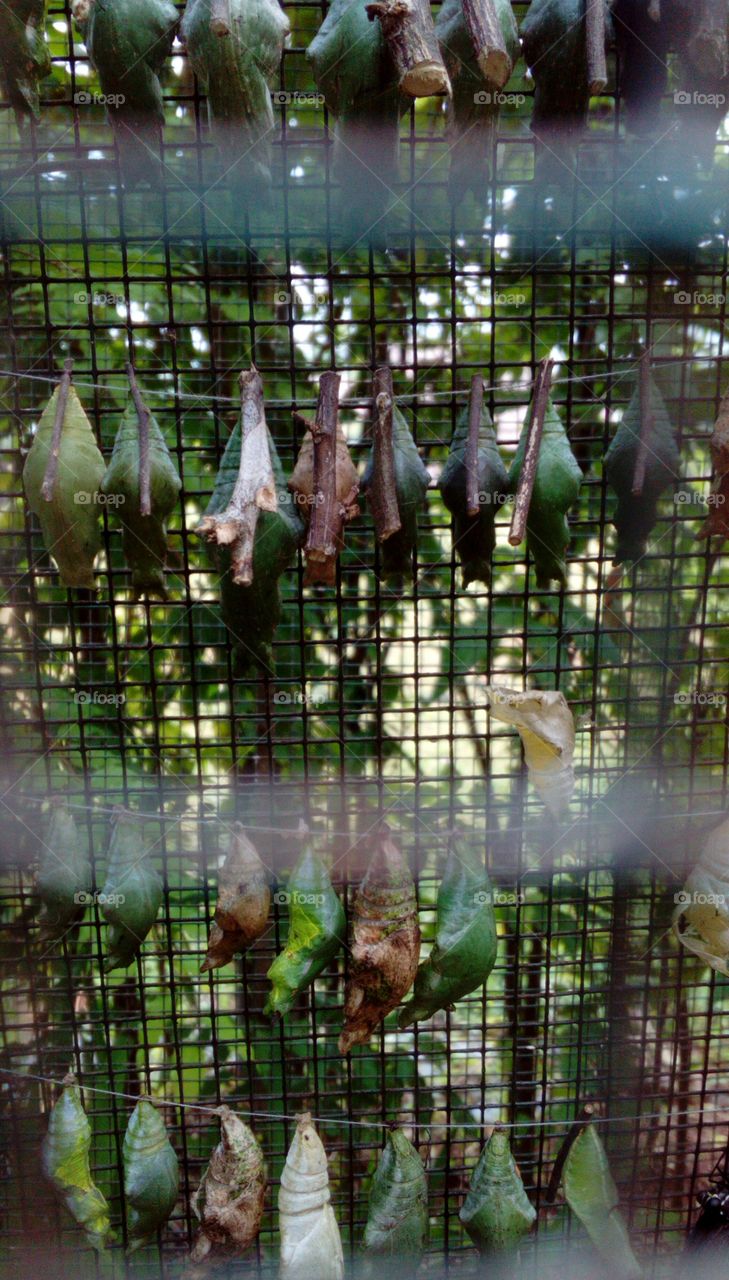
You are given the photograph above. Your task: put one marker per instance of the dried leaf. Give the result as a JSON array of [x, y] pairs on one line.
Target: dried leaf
[[230, 1200], [474, 536], [592, 1195], [244, 901], [397, 1218], [701, 916], [65, 1160], [385, 943], [635, 516], [151, 1173], [144, 537], [311, 1247], [411, 485], [321, 559], [24, 55], [556, 487], [717, 521], [70, 519], [464, 951], [317, 928], [496, 1212], [547, 731], [64, 879], [132, 892]]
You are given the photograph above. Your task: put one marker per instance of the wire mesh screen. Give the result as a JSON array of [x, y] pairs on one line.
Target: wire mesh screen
[[377, 707]]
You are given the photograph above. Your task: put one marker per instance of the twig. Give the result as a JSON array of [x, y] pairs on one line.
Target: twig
[[595, 46], [325, 525], [578, 1126], [407, 26], [220, 17], [145, 498], [475, 409], [646, 425], [708, 46], [51, 471], [489, 45], [540, 396], [382, 493]]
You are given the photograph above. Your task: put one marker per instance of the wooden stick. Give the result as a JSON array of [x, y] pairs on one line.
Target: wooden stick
[[708, 45], [475, 409], [646, 425], [145, 497], [407, 26], [489, 45], [325, 524], [595, 46], [220, 17], [382, 495], [51, 471], [540, 396], [576, 1129]]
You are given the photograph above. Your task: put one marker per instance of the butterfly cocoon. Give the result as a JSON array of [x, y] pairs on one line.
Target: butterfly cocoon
[[547, 730], [244, 902], [474, 536], [69, 517], [64, 878], [397, 1217], [230, 1200], [151, 1174], [701, 915], [411, 479], [311, 1247], [592, 1196], [317, 929], [132, 892], [556, 487], [636, 514], [496, 1212], [25, 57], [464, 951], [65, 1162]]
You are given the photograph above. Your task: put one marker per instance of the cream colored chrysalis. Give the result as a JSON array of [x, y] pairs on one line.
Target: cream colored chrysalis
[[701, 917], [547, 730], [311, 1248]]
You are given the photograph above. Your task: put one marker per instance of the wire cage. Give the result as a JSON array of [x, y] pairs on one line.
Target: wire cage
[[376, 710]]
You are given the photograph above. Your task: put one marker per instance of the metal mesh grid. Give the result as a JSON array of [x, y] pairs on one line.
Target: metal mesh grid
[[378, 705]]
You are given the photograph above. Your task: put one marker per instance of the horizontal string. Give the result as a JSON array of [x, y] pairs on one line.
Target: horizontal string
[[422, 399], [340, 1121]]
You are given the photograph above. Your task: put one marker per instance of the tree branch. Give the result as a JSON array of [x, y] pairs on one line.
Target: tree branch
[[407, 26], [325, 526], [540, 396], [489, 45], [220, 17], [582, 1121], [595, 46], [382, 493], [51, 471]]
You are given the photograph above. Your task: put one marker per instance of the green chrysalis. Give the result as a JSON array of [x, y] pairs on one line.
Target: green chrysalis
[[24, 55], [474, 536], [556, 487], [69, 518], [65, 1161], [317, 929], [464, 951], [397, 1218], [553, 38], [132, 892], [592, 1195], [144, 537], [635, 515], [411, 480], [151, 1174], [64, 878], [496, 1212]]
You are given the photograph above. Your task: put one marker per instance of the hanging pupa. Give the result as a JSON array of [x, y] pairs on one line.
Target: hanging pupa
[[143, 478], [61, 476], [244, 901], [128, 43], [645, 429], [592, 1195], [547, 730], [24, 55], [132, 892], [317, 929], [556, 486], [479, 64], [396, 481], [474, 483], [230, 1200], [256, 528], [496, 1212], [385, 942], [311, 1247], [464, 950], [64, 879], [717, 521], [701, 915], [151, 1174], [397, 1215], [65, 1161], [236, 47]]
